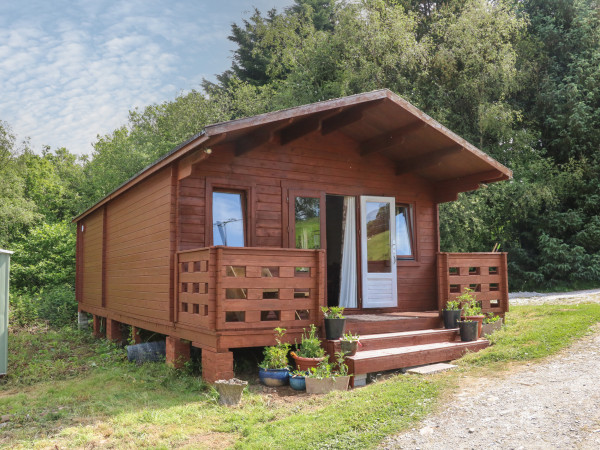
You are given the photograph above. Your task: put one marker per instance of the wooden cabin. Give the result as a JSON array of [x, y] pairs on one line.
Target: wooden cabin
[[256, 223]]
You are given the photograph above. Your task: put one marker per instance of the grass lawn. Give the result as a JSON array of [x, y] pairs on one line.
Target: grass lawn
[[66, 389]]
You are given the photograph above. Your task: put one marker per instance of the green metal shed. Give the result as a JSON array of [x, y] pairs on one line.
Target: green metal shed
[[4, 277]]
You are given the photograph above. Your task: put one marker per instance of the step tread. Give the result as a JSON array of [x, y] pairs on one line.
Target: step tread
[[373, 354], [400, 334]]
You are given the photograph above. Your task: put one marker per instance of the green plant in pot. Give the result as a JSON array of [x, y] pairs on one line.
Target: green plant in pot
[[468, 330], [471, 308], [349, 344], [335, 322], [309, 353], [298, 380], [274, 369], [451, 314], [327, 377], [491, 323]]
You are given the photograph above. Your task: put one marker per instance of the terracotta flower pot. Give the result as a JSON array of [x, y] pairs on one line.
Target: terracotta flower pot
[[304, 364]]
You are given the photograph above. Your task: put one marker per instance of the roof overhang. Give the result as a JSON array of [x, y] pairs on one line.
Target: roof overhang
[[379, 122]]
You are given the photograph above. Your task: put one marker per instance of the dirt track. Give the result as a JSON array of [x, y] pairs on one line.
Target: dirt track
[[554, 404]]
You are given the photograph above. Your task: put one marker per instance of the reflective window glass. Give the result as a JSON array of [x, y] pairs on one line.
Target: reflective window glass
[[228, 219], [404, 236], [308, 223], [379, 251]]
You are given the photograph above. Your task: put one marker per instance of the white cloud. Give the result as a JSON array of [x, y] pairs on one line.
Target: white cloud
[[70, 71]]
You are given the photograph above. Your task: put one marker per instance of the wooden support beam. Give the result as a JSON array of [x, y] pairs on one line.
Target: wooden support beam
[[347, 117], [187, 164], [300, 128], [306, 126], [447, 191], [427, 160], [260, 137], [389, 139]]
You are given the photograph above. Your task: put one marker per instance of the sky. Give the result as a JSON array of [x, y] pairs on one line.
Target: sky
[[72, 70]]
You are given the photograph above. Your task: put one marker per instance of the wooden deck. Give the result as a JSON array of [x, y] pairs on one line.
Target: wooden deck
[[226, 298], [244, 293]]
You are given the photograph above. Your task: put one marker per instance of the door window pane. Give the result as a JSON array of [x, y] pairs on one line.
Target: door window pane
[[404, 227], [228, 219], [308, 223], [379, 252]]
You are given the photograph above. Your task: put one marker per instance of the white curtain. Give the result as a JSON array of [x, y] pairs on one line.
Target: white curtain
[[348, 282]]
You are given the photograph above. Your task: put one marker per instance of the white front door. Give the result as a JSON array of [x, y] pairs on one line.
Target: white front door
[[378, 234]]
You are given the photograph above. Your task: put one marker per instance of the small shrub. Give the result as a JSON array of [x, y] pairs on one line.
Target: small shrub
[[55, 305]]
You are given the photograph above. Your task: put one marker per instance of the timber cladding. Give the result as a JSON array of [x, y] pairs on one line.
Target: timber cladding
[[322, 164], [130, 272], [91, 258]]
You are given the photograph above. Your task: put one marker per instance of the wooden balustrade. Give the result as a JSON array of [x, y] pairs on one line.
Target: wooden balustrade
[[485, 273], [227, 288]]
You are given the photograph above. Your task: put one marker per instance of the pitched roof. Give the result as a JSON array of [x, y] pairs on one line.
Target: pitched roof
[[379, 121]]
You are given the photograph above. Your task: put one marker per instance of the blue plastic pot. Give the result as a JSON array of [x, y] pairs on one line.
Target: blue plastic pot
[[298, 383], [274, 377]]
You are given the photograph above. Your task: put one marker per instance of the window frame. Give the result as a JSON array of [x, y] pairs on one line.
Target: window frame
[[412, 225], [248, 207], [291, 209]]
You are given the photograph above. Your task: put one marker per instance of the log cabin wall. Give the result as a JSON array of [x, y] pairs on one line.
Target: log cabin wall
[[138, 254], [90, 262], [127, 253], [330, 165]]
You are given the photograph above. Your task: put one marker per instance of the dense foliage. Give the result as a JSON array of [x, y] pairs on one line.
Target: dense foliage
[[521, 80]]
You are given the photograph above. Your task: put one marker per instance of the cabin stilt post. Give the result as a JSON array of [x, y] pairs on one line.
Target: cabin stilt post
[[178, 352], [114, 331], [135, 333], [98, 330], [216, 365]]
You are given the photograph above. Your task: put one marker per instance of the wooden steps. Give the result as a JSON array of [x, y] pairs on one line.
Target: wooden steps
[[389, 323], [401, 349], [403, 339], [414, 355]]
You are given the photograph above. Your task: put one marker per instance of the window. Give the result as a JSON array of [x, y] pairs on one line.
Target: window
[[307, 222], [229, 227], [404, 232]]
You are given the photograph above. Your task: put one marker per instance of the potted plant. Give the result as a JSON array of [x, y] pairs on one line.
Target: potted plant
[[491, 323], [451, 314], [468, 330], [274, 369], [309, 353], [327, 377], [471, 308], [298, 380], [335, 322], [349, 344]]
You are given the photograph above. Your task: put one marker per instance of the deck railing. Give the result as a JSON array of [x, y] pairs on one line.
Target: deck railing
[[232, 288], [485, 273]]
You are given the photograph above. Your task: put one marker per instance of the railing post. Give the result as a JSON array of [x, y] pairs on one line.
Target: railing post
[[220, 314], [321, 284], [505, 302], [443, 281], [176, 287]]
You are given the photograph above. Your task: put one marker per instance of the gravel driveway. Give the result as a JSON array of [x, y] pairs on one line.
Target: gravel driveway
[[553, 404]]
